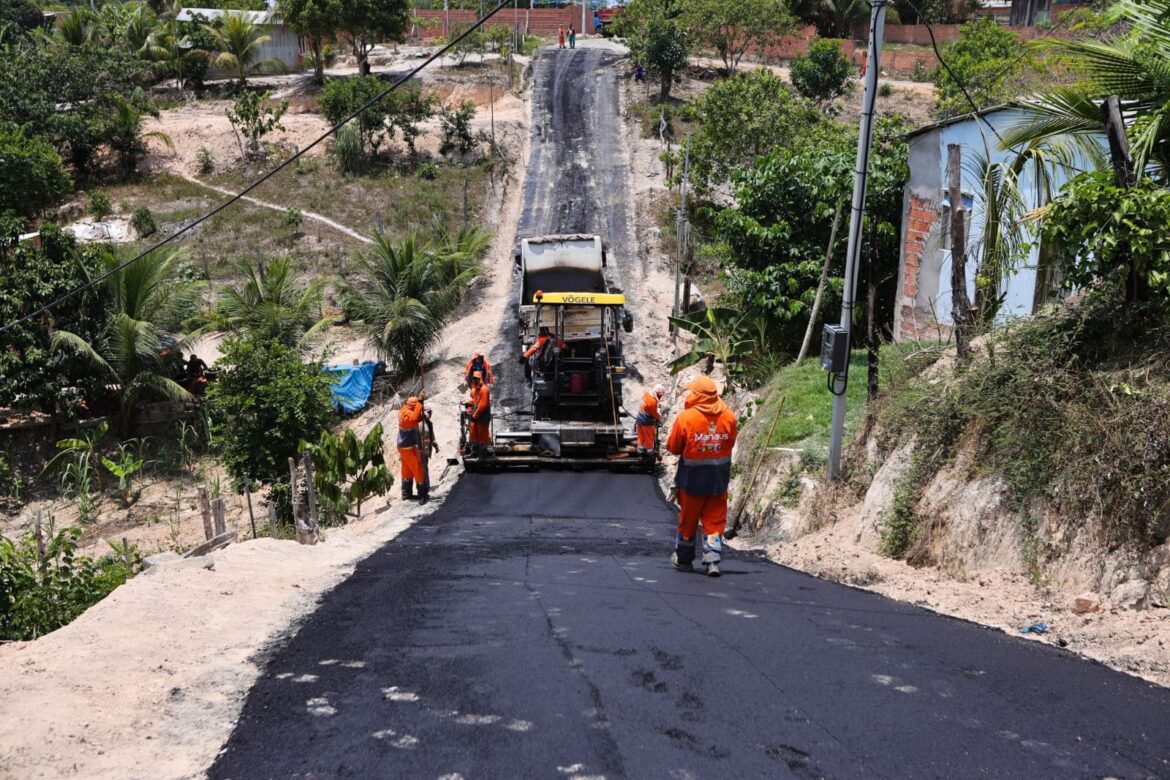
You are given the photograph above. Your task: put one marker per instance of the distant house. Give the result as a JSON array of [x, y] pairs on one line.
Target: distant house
[[923, 305], [282, 45]]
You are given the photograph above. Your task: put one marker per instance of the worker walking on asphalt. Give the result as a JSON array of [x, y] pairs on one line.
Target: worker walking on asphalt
[[648, 420], [704, 436], [409, 418], [479, 416], [572, 37], [478, 363], [561, 37]]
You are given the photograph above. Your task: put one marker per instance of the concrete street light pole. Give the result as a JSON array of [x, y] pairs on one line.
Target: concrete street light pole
[[877, 22]]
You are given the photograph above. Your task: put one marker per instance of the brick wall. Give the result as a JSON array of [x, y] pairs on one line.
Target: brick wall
[[918, 35], [537, 21], [914, 321]]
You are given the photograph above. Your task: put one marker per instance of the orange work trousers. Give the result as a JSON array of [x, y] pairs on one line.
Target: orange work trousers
[[711, 512], [479, 432], [412, 467], [647, 437]]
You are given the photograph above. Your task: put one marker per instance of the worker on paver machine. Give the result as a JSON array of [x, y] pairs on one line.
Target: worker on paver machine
[[478, 363], [540, 354], [478, 413]]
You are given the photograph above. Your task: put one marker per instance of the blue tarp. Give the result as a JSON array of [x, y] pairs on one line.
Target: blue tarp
[[352, 385]]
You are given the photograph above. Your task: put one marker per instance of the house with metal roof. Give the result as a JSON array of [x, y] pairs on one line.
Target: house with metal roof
[[922, 308], [283, 45]]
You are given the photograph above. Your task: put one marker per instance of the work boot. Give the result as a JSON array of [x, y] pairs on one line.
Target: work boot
[[681, 565], [407, 489], [712, 569], [423, 492]]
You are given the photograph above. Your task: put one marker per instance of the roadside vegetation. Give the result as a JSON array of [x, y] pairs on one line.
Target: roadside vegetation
[[1066, 410], [106, 430]]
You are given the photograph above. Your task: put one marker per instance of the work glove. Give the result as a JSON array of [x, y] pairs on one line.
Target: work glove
[[521, 360]]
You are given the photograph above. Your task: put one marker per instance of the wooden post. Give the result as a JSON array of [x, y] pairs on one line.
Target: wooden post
[[248, 498], [1137, 286], [272, 519], [126, 550], [312, 492], [205, 510], [217, 509], [685, 304], [960, 302], [39, 533], [871, 337]]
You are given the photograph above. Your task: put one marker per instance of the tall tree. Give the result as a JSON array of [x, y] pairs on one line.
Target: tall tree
[[733, 28], [33, 174], [658, 37], [369, 22], [316, 21], [240, 44], [129, 350]]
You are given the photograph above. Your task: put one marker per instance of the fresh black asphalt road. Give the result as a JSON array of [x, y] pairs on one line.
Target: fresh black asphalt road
[[533, 626]]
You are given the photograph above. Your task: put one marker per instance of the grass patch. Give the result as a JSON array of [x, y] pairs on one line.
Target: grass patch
[[680, 119], [808, 404], [402, 200]]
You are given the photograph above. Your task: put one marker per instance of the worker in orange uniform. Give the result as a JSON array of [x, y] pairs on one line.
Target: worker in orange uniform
[[479, 363], [704, 436], [561, 37], [409, 441], [479, 416], [648, 420], [538, 352]]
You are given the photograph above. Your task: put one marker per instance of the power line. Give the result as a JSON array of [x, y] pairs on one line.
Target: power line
[[242, 193]]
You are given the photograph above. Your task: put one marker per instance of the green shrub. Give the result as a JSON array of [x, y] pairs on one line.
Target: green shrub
[[428, 171], [45, 585], [34, 176], [205, 161], [885, 90], [456, 124], [100, 206], [822, 74], [265, 402], [348, 153], [143, 222]]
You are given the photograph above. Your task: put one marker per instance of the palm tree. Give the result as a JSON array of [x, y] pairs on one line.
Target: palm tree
[[272, 305], [124, 133], [460, 253], [79, 26], [1133, 66], [129, 349], [403, 294], [239, 43]]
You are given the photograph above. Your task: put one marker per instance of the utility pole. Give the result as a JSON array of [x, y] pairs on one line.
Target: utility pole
[[877, 22], [583, 4], [680, 227]]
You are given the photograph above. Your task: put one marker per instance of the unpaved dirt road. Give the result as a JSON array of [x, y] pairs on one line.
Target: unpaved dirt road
[[533, 626]]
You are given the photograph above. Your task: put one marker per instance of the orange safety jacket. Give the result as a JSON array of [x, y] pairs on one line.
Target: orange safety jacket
[[648, 414], [704, 435], [479, 364], [479, 408], [539, 345], [409, 418]]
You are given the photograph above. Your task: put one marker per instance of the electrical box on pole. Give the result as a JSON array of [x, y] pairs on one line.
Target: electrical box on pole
[[834, 349]]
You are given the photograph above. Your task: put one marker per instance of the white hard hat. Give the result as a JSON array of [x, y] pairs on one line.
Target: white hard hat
[[659, 390]]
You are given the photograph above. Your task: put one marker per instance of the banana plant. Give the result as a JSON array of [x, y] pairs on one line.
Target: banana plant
[[348, 470], [128, 464], [723, 335], [81, 453]]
